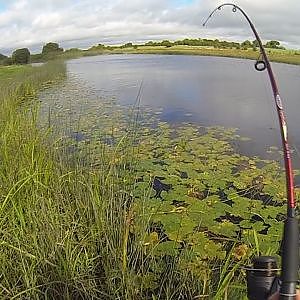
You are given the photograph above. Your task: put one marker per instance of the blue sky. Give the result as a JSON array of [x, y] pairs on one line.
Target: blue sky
[[2, 6], [82, 23], [182, 2]]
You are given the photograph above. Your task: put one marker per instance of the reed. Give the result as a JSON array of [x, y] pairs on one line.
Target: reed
[[71, 230]]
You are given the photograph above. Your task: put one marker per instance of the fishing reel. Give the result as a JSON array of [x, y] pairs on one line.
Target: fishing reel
[[262, 278]]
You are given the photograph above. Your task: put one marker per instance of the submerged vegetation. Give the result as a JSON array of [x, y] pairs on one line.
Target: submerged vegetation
[[110, 203]]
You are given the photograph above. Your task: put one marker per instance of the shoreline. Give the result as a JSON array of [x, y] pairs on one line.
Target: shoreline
[[279, 56]]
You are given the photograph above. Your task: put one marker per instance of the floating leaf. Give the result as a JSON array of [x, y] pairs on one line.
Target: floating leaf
[[170, 248], [205, 248]]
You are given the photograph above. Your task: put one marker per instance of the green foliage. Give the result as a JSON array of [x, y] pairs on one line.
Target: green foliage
[[246, 44], [72, 50], [208, 190], [273, 45], [255, 43], [195, 42], [135, 209], [150, 43], [166, 43], [51, 49], [2, 57], [21, 56], [127, 45], [215, 199], [36, 58], [6, 61], [98, 48]]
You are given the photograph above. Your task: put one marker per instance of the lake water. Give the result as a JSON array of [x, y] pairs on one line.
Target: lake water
[[209, 91], [205, 90]]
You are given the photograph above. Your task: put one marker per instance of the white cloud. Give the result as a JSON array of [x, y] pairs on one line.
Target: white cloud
[[30, 23]]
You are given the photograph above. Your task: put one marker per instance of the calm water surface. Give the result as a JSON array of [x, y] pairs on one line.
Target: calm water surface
[[206, 90]]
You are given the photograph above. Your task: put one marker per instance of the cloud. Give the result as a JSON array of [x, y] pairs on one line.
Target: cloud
[[31, 23]]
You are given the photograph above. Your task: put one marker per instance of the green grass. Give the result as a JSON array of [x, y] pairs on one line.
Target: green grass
[[283, 56], [8, 72], [276, 55], [86, 225]]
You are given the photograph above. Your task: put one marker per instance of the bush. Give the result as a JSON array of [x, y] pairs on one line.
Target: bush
[[36, 58], [51, 48], [2, 57], [6, 62], [21, 56]]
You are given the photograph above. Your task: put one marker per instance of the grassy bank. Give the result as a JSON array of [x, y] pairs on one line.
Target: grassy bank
[[275, 55], [282, 56], [141, 212]]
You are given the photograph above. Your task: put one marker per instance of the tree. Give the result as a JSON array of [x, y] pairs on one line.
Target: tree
[[4, 60], [273, 44], [166, 43], [51, 48], [246, 44], [127, 45], [216, 43], [255, 43], [150, 43], [21, 56], [2, 57], [72, 50]]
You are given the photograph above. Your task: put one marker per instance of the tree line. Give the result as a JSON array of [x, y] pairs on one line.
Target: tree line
[[23, 55], [196, 42], [52, 50], [215, 44]]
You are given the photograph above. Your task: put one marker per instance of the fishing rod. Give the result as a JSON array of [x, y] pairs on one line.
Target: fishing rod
[[261, 277]]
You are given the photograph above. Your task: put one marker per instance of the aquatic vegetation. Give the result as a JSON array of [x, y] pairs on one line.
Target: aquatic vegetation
[[211, 189], [191, 201], [205, 201], [100, 201]]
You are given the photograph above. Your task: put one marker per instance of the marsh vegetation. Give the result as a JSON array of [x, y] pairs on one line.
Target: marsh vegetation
[[109, 202]]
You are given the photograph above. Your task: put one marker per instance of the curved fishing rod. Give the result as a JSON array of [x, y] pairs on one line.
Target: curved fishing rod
[[290, 244]]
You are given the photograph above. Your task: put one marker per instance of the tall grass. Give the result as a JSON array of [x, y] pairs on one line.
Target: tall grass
[[46, 241], [66, 229]]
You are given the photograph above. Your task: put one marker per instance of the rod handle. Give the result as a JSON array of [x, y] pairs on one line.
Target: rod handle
[[290, 259]]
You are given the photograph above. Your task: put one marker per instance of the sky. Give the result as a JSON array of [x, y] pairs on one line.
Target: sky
[[83, 23]]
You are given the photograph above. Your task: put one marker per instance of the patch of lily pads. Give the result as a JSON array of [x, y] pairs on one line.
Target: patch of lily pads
[[198, 196], [201, 192]]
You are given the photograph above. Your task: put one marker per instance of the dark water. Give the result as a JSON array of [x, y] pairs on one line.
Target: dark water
[[206, 90]]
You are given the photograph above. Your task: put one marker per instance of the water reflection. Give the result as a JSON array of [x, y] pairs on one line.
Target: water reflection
[[207, 90]]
